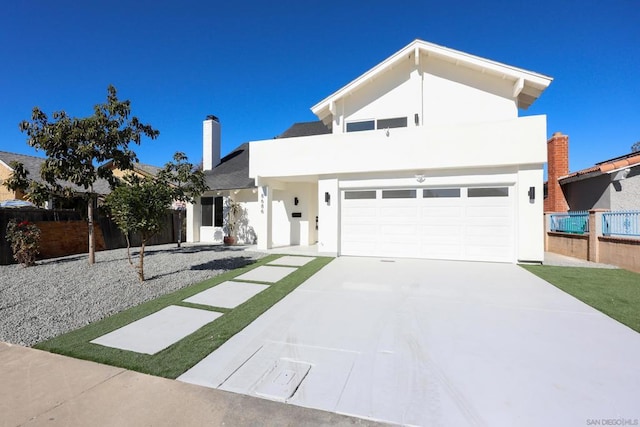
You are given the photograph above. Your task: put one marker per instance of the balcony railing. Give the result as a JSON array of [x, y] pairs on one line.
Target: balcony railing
[[576, 222], [621, 223]]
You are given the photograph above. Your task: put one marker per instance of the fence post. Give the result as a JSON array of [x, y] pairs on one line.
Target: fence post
[[547, 227], [595, 231]]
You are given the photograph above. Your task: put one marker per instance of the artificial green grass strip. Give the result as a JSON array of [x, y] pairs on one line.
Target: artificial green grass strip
[[203, 307], [182, 355], [615, 292]]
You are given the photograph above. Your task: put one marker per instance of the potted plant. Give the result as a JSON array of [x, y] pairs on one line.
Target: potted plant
[[234, 210]]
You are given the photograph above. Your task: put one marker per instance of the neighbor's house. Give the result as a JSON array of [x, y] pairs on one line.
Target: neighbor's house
[[33, 164], [422, 156], [612, 184]]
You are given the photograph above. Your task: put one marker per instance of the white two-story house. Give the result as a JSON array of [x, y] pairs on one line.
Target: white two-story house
[[423, 156]]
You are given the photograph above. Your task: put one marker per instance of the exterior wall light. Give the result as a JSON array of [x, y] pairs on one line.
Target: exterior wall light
[[327, 198], [296, 201], [532, 194]]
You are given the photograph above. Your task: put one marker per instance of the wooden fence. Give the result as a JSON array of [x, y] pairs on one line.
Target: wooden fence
[[64, 232]]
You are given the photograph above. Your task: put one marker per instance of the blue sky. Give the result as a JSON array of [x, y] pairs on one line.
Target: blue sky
[[260, 66]]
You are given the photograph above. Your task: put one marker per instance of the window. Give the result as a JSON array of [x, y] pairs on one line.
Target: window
[[360, 126], [440, 192], [398, 194], [365, 194], [212, 211], [398, 122], [218, 217], [207, 211], [489, 192]]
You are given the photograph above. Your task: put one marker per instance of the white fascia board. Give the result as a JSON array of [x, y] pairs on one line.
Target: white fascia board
[[6, 165], [530, 78], [622, 168]]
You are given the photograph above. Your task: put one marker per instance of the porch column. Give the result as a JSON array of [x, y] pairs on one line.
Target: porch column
[[194, 219], [264, 199]]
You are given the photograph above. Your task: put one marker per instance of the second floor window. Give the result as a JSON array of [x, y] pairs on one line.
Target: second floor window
[[396, 122]]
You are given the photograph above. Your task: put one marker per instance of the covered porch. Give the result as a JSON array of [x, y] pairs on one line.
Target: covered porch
[[288, 214]]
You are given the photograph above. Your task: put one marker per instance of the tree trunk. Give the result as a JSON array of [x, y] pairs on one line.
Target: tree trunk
[[92, 243], [179, 226], [141, 266], [126, 236]]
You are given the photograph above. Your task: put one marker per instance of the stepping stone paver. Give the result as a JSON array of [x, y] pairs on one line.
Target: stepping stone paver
[[227, 294], [267, 273], [158, 330], [297, 261]]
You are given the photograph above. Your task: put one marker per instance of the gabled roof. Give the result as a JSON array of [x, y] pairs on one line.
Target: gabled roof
[[33, 164], [148, 169], [232, 173], [141, 168], [527, 85], [608, 166], [306, 129]]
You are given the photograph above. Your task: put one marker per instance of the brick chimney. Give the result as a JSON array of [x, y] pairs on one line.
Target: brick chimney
[[557, 166], [210, 143]]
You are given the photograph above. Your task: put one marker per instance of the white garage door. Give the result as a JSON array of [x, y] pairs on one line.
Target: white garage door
[[457, 223]]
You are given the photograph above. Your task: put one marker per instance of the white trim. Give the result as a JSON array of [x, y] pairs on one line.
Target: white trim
[[6, 165]]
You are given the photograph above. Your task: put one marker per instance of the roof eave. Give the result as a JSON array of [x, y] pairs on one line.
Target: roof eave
[[574, 178]]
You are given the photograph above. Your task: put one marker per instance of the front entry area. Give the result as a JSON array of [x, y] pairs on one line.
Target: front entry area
[[455, 223]]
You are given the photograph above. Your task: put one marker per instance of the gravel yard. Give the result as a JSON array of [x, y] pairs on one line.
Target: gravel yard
[[62, 294]]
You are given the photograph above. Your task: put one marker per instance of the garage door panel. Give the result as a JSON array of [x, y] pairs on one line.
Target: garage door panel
[[479, 223], [367, 232], [442, 211], [430, 231], [398, 229], [441, 252], [488, 240], [359, 248], [402, 249], [359, 212], [487, 211], [475, 235], [399, 212], [487, 253]]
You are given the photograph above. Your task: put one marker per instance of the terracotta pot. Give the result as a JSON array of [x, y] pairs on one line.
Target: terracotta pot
[[229, 240]]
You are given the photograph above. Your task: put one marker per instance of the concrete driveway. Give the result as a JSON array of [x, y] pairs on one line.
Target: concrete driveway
[[434, 343]]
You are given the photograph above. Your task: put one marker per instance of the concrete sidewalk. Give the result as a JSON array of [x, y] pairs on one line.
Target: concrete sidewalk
[[38, 388]]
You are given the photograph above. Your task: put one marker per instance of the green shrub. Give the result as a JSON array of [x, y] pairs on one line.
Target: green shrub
[[24, 237]]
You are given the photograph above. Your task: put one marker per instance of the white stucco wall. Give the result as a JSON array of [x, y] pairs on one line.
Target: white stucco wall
[[504, 143], [454, 95], [246, 227], [328, 214], [194, 219], [246, 231], [394, 94], [530, 218], [625, 194]]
